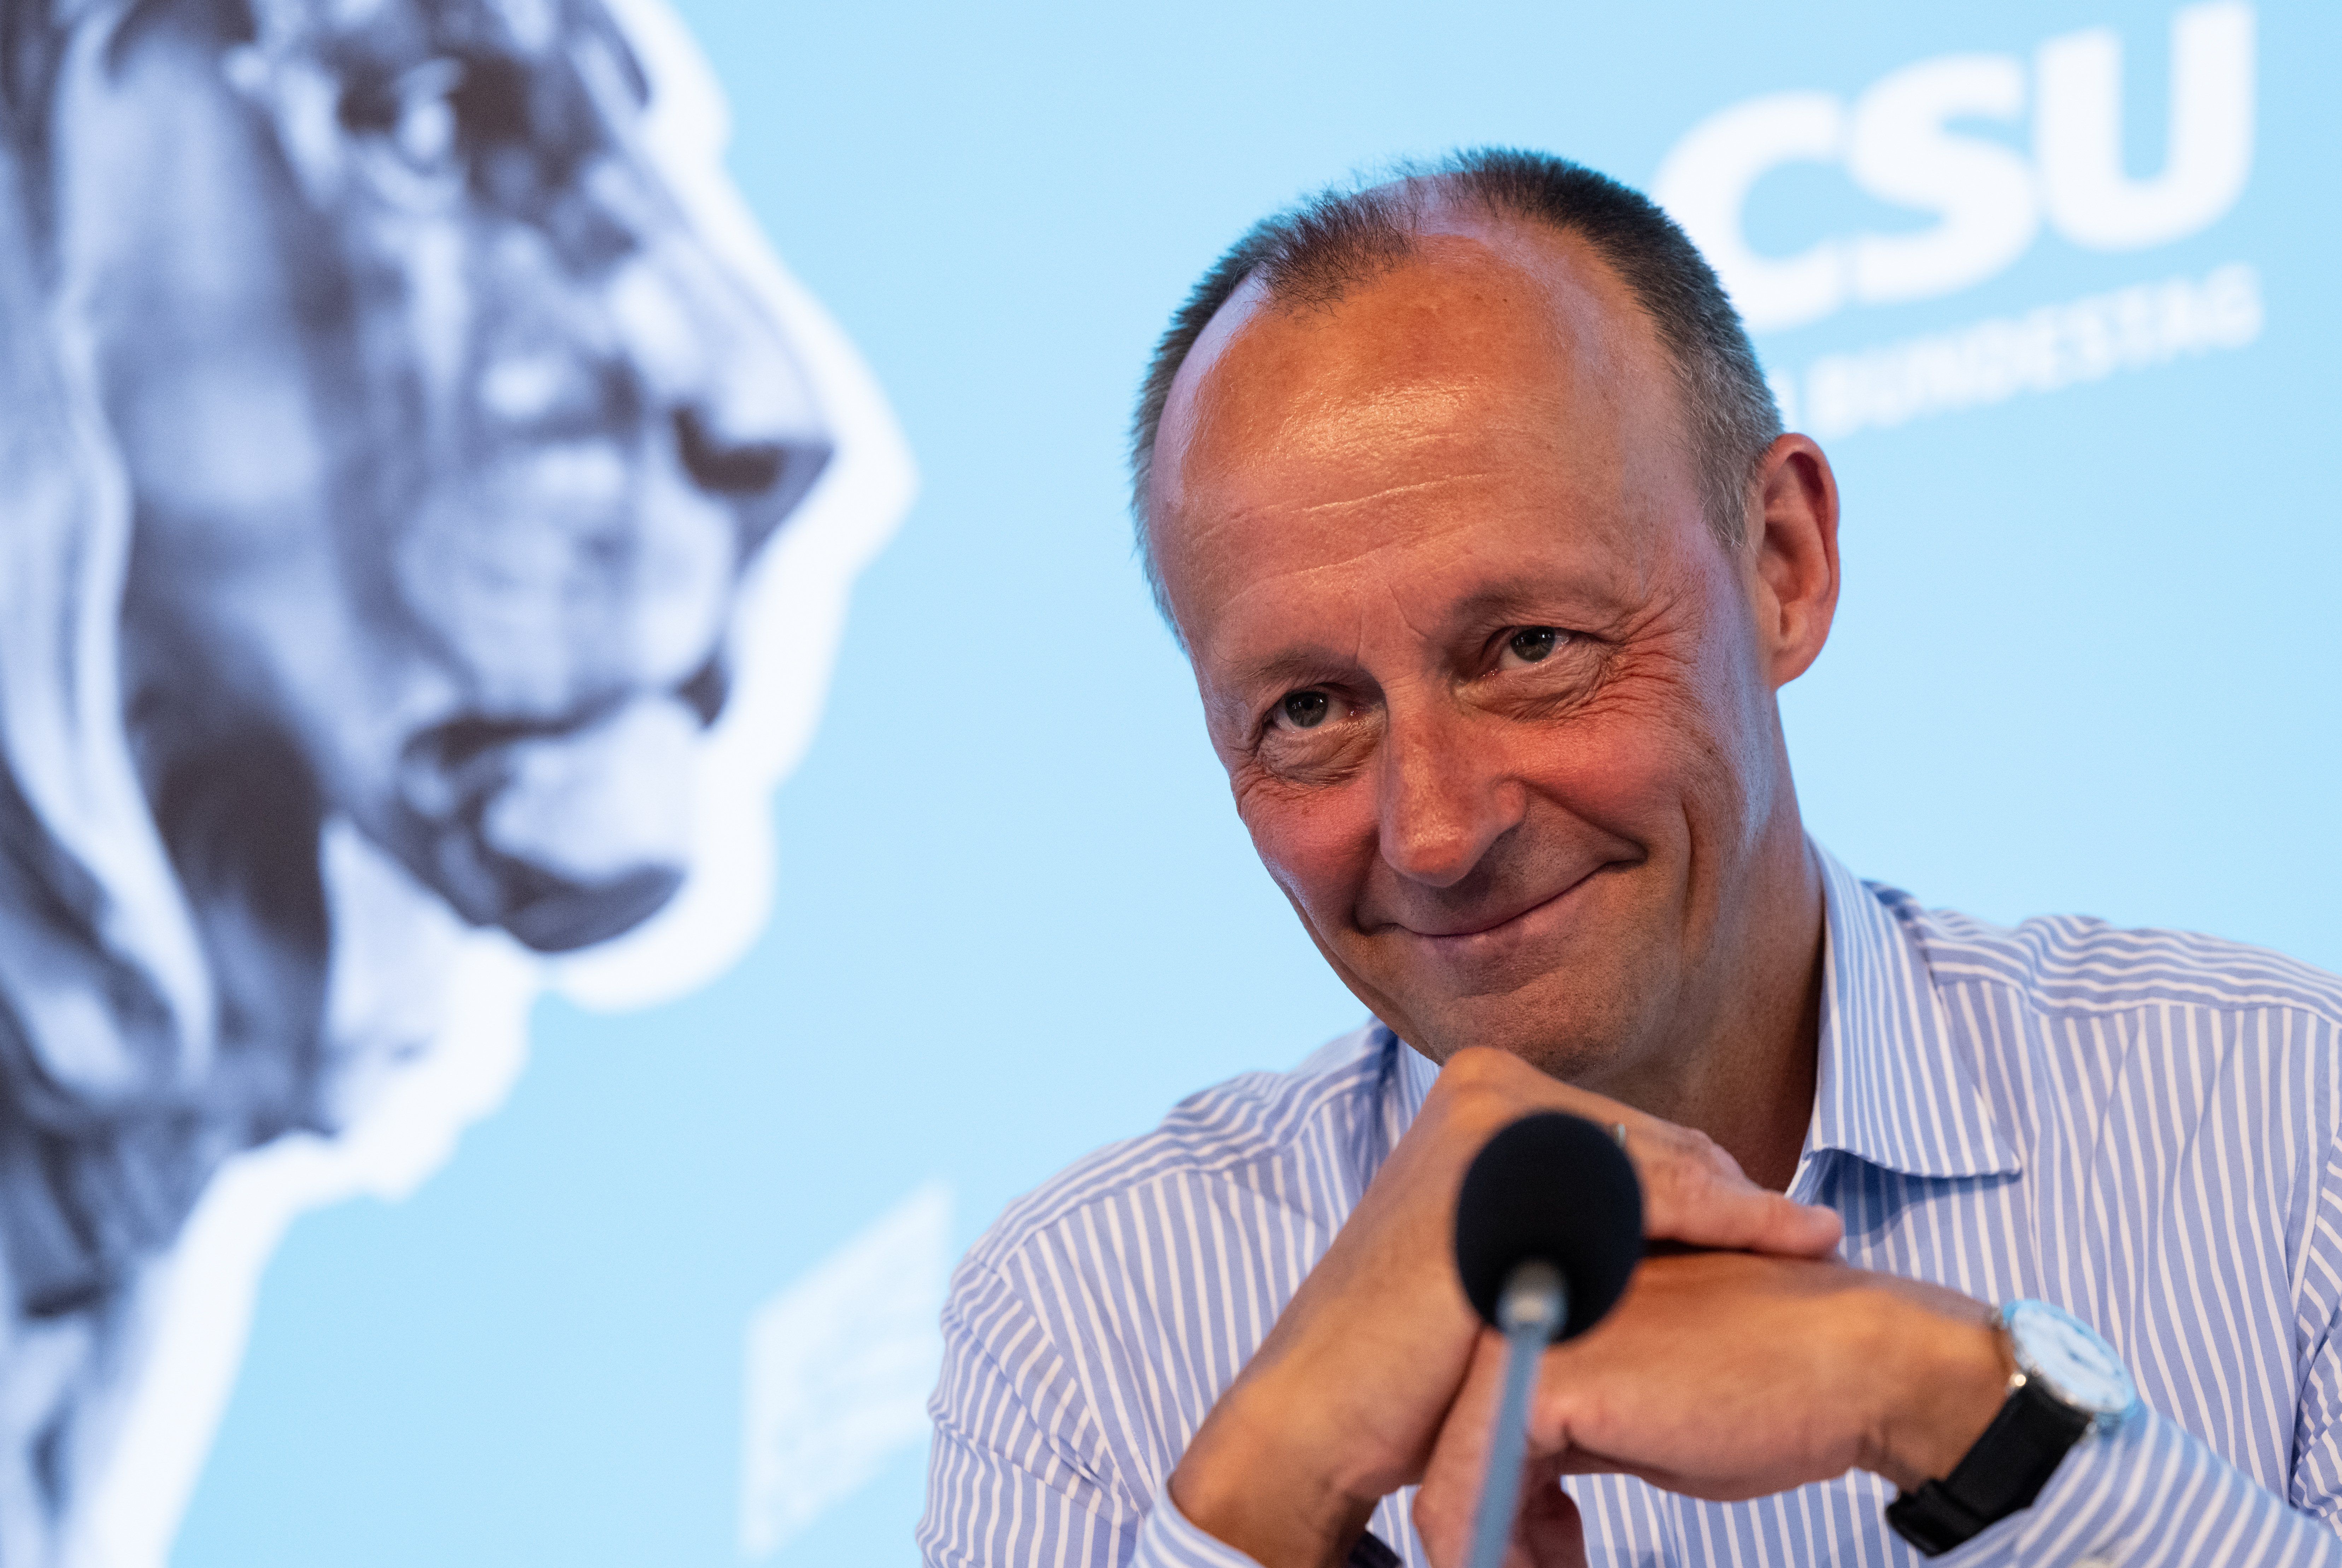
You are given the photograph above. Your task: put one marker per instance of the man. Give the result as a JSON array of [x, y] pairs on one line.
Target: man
[[1469, 502], [392, 421]]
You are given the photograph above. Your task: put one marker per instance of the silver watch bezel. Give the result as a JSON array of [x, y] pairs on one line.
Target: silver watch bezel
[[2041, 1337]]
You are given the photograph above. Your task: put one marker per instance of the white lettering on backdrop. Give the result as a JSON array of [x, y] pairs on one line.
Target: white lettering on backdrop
[[839, 1366], [2047, 348], [1898, 141]]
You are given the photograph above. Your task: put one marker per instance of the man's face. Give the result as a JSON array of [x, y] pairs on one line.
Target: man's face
[[1488, 691], [448, 438]]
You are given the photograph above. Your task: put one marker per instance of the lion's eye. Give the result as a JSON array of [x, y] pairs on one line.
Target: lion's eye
[[1303, 710], [426, 133], [414, 113], [435, 119], [1534, 645]]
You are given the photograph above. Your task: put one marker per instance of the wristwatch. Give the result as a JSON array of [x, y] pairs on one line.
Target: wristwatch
[[2069, 1384]]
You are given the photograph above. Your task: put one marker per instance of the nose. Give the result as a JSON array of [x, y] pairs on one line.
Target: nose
[[762, 467], [1445, 797], [741, 407]]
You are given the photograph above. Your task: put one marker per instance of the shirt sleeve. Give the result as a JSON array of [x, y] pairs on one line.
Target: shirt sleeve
[[1168, 1540], [2150, 1494], [1019, 1473]]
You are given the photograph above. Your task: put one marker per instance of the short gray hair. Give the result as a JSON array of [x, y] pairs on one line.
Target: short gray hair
[[1311, 254]]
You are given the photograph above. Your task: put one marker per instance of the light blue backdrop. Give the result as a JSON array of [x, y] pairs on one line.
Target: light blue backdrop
[[2086, 660]]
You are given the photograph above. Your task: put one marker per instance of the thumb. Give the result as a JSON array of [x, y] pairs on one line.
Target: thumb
[[1546, 1532]]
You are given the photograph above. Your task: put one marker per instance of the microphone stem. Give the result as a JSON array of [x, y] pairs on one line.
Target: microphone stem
[[1531, 1311]]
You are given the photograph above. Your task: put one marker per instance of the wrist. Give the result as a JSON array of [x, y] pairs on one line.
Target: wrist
[[1256, 1478], [1948, 1376]]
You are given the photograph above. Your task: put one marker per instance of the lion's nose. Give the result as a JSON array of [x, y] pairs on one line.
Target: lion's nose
[[763, 474], [749, 425], [738, 467]]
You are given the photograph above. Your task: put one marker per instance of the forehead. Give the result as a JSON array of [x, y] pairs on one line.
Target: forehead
[[1497, 375], [1518, 322]]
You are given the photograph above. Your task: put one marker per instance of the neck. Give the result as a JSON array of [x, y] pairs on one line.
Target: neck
[[1741, 1065]]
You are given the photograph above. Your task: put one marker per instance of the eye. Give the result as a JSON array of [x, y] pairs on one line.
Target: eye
[[414, 114], [1303, 710], [1534, 645], [433, 120]]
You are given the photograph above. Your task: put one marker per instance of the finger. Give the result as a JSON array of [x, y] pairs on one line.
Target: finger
[[1546, 1532], [1450, 1492], [1551, 1534], [1694, 1192]]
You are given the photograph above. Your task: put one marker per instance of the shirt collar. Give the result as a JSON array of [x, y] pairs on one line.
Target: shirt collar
[[1892, 1088]]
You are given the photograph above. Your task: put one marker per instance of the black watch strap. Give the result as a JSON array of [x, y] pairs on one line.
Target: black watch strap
[[2004, 1471]]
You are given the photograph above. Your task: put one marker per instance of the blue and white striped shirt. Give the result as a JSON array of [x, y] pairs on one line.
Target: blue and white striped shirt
[[2140, 1126]]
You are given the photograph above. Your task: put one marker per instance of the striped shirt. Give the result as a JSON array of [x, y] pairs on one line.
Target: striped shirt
[[2138, 1125]]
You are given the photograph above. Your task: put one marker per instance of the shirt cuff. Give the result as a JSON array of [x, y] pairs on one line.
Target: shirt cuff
[[2149, 1495], [1167, 1540]]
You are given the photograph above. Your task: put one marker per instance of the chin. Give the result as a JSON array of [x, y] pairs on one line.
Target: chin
[[1575, 1033], [1579, 1062]]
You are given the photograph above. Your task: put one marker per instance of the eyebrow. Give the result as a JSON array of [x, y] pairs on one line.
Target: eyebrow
[[1287, 667], [1514, 600], [1520, 598]]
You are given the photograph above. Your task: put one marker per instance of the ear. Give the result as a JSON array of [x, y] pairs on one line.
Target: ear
[[1792, 555]]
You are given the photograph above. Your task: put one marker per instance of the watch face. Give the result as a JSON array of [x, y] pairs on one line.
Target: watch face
[[2069, 1360]]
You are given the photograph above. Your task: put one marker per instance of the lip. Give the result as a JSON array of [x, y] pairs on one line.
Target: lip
[[1463, 938], [565, 835]]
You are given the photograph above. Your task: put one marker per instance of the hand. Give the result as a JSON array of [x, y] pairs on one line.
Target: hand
[[1343, 1400], [1725, 1376], [1548, 1533]]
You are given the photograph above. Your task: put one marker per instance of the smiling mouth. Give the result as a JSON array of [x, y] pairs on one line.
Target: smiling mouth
[[1466, 932]]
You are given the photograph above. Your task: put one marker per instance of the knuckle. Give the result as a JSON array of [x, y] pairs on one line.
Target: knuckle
[[1472, 1092], [1672, 1202], [1700, 1149], [1474, 1067], [1681, 1161], [1431, 1512]]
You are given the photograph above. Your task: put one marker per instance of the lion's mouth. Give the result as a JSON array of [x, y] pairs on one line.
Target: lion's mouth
[[566, 835]]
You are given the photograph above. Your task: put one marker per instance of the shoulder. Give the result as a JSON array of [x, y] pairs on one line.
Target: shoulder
[[1236, 1132], [2076, 963]]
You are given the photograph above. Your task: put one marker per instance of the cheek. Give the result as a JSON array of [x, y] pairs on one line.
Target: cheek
[[1660, 756], [1317, 844]]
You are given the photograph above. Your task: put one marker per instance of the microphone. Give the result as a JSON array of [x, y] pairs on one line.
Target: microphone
[[1548, 1228]]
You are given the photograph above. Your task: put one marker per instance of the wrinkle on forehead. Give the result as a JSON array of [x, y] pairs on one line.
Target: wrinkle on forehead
[[1252, 614], [1345, 553], [1337, 504]]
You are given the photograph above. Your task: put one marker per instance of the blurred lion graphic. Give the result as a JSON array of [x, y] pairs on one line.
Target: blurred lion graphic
[[429, 514]]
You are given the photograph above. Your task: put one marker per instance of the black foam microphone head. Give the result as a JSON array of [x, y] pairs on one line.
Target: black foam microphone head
[[1557, 1188]]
